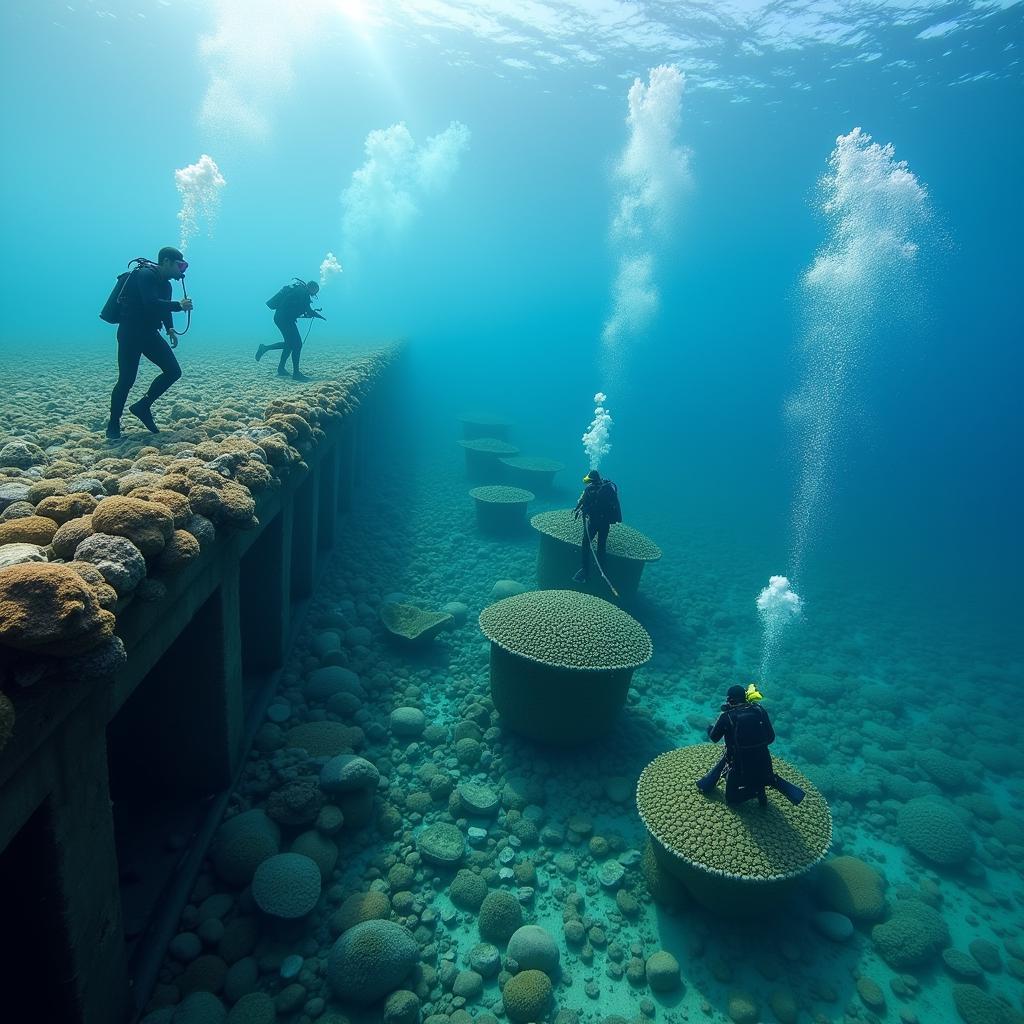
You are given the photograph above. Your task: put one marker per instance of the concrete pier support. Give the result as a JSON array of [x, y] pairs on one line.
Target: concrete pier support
[[92, 769], [306, 511], [265, 585]]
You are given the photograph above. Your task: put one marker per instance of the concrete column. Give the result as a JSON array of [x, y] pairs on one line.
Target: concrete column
[[182, 727], [64, 953], [304, 530], [265, 578], [327, 514], [346, 465]]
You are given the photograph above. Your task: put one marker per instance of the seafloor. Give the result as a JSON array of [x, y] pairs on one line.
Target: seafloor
[[943, 942]]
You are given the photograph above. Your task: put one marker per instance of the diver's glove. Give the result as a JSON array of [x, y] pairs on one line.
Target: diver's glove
[[575, 513]]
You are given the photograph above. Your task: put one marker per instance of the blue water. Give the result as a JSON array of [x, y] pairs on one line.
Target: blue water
[[500, 273]]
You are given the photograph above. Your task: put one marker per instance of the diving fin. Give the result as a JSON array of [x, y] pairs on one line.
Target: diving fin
[[793, 793]]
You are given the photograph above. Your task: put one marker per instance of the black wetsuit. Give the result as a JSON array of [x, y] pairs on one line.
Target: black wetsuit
[[748, 731], [289, 304], [599, 506], [147, 306]]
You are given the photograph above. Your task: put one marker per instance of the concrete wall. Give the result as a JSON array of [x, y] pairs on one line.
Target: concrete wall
[[201, 667]]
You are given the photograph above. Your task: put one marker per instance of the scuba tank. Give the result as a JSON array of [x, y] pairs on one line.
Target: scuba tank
[[114, 306], [113, 309]]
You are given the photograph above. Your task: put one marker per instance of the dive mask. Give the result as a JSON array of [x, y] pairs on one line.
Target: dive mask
[[182, 266]]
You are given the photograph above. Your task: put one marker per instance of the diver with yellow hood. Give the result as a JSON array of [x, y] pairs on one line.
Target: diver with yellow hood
[[746, 764], [599, 506]]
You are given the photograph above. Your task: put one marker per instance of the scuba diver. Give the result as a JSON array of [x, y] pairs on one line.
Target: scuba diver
[[290, 304], [140, 305], [599, 506], [747, 764]]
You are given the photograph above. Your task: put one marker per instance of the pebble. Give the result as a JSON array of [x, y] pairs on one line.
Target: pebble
[[291, 966], [185, 946], [279, 711], [611, 874], [476, 835]]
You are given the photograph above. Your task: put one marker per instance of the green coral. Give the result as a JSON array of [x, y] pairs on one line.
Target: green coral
[[489, 446], [533, 464], [527, 996], [912, 936], [501, 509], [623, 540], [359, 907], [561, 663], [498, 494], [286, 885], [978, 1007], [411, 623], [468, 890], [849, 886], [720, 851], [567, 630], [934, 830], [500, 917]]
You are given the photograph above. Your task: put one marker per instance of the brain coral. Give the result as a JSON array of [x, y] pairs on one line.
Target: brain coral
[[468, 890], [359, 907], [500, 916], [912, 936], [370, 960], [66, 540], [242, 843], [28, 530], [849, 886], [62, 508], [527, 996], [49, 609], [568, 630], [286, 885], [148, 525], [976, 1006], [181, 549], [713, 840], [934, 830]]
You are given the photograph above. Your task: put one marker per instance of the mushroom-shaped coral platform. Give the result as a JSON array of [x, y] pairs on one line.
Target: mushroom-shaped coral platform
[[736, 860], [531, 471], [482, 458], [559, 555], [483, 425], [561, 663], [499, 509]]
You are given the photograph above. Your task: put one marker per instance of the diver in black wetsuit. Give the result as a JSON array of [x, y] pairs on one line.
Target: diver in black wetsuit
[[748, 731], [290, 304], [599, 506], [146, 305]]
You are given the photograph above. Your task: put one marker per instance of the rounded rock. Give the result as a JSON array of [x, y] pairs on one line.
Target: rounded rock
[[286, 885], [371, 960], [533, 948]]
